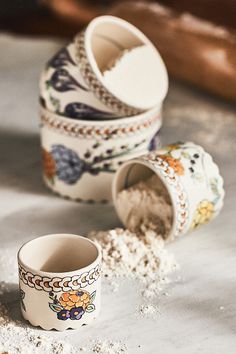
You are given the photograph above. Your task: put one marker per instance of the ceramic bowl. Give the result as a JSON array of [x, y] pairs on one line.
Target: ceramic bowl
[[60, 283], [190, 177], [80, 156], [72, 84]]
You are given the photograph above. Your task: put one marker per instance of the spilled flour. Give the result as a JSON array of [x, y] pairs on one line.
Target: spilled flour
[[136, 256], [17, 338], [139, 252], [107, 346], [149, 311], [146, 204]]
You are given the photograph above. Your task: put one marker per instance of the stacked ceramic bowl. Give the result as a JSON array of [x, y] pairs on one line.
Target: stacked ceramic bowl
[[101, 104]]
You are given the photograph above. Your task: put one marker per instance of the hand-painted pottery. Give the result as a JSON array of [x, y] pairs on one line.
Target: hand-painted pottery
[[72, 84], [190, 176], [60, 283], [80, 156]]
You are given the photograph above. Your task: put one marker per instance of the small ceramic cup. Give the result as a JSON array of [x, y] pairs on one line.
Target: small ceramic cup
[[60, 282], [80, 157], [73, 84], [190, 177]]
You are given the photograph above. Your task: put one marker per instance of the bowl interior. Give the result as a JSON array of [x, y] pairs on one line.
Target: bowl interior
[[141, 80], [111, 39], [58, 253], [129, 174]]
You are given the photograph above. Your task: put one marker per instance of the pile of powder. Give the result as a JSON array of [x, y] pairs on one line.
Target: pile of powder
[[147, 204], [138, 76], [135, 255], [139, 252]]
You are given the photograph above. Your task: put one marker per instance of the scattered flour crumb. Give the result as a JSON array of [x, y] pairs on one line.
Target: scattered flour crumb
[[149, 311], [222, 308], [15, 338], [115, 286], [107, 346]]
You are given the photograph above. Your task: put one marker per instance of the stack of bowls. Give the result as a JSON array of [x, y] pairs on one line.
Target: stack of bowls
[[88, 129]]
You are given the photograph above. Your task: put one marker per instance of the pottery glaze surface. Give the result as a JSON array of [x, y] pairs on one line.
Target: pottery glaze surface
[[191, 178], [59, 300], [80, 157]]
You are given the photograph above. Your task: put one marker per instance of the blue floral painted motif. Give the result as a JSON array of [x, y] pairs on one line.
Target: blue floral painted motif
[[155, 143], [83, 111], [68, 166], [62, 81], [60, 59]]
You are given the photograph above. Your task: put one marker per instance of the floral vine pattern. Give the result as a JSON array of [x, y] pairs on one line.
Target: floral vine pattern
[[62, 81], [206, 209], [178, 160], [73, 304], [60, 59], [68, 166]]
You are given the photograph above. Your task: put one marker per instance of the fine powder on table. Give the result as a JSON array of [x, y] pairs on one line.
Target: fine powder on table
[[139, 252], [18, 338], [107, 346], [138, 77], [147, 204], [135, 255]]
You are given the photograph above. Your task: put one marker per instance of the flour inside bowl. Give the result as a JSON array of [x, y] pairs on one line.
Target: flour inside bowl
[[138, 77], [146, 204]]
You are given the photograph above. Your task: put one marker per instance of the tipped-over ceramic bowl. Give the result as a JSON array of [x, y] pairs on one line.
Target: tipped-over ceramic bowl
[[191, 179], [73, 84]]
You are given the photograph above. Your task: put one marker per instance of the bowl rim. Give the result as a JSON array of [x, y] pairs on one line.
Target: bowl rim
[[33, 270], [156, 111]]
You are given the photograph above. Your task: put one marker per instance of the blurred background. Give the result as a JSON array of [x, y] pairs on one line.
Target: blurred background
[[197, 38]]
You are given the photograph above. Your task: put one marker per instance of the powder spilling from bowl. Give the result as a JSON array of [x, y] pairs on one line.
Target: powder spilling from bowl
[[138, 73], [146, 204], [134, 255], [139, 252]]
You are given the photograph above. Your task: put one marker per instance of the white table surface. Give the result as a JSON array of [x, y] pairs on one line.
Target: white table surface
[[199, 316]]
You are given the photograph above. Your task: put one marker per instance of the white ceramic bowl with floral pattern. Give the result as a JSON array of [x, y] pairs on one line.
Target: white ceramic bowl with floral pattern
[[190, 176], [60, 281], [81, 156], [73, 85]]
